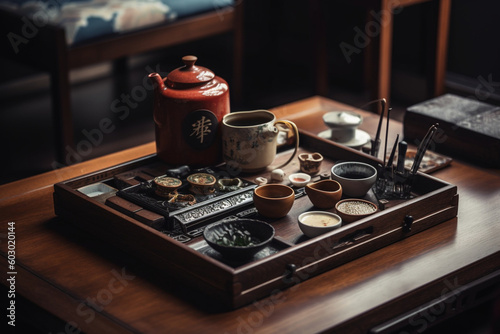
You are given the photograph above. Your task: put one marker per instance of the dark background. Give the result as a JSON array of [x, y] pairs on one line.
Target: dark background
[[282, 34]]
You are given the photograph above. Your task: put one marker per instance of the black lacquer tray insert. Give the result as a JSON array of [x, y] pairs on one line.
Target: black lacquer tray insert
[[190, 217]]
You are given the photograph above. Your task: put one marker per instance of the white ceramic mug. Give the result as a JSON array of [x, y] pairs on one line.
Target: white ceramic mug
[[249, 139]]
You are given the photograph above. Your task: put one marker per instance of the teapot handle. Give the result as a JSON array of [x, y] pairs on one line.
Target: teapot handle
[[293, 127]]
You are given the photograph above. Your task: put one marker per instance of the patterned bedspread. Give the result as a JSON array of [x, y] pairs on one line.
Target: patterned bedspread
[[88, 19]]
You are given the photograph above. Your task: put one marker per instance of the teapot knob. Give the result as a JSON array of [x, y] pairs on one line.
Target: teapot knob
[[189, 61]]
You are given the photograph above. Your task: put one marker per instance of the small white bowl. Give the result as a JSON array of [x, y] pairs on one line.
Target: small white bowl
[[299, 179], [324, 222]]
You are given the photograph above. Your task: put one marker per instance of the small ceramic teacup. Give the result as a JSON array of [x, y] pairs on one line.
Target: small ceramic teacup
[[273, 200], [249, 139], [324, 194]]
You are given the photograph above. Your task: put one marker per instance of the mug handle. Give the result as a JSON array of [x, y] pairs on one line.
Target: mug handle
[[293, 127]]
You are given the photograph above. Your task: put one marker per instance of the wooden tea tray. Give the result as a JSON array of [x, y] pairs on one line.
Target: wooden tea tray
[[289, 259]]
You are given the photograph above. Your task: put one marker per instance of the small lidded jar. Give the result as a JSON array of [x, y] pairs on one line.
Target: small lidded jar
[[343, 124]]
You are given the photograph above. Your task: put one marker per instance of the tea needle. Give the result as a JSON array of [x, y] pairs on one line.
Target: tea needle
[[393, 152], [422, 148], [376, 141], [387, 133]]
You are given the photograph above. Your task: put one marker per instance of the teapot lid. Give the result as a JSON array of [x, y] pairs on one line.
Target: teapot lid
[[189, 75]]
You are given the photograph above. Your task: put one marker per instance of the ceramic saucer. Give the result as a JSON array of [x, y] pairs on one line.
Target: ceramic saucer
[[361, 138]]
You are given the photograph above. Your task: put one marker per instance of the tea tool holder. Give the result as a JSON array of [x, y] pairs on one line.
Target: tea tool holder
[[393, 184], [397, 183]]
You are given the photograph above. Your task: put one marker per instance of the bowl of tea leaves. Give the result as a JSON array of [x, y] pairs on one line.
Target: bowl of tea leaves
[[239, 238]]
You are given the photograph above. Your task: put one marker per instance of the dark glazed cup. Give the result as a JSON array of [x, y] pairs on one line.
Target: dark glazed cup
[[355, 177]]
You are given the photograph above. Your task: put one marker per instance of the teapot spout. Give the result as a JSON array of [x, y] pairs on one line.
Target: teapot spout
[[157, 81]]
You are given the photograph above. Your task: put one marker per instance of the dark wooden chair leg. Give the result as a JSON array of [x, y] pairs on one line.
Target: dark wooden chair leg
[[442, 46], [385, 52], [437, 34], [61, 100]]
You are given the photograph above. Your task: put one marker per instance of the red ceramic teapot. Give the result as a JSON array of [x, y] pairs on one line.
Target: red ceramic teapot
[[188, 108]]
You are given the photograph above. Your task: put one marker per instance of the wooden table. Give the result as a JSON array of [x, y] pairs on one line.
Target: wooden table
[[99, 289]]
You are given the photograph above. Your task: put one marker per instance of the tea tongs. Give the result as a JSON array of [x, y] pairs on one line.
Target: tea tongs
[[422, 148], [376, 142]]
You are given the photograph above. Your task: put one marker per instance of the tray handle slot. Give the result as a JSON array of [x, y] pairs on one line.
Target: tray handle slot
[[354, 237]]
